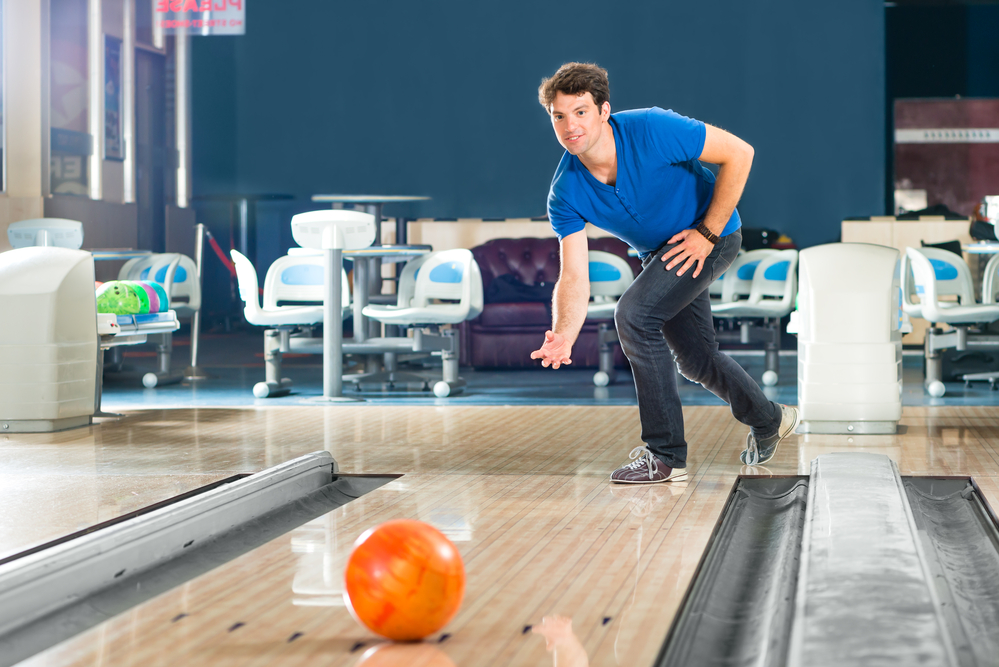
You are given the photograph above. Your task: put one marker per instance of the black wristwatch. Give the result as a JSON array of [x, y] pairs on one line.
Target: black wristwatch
[[707, 233]]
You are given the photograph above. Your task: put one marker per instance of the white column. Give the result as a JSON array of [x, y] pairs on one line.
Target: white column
[[95, 95], [182, 53], [128, 99], [26, 100]]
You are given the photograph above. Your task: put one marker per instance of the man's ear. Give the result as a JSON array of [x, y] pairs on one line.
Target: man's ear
[[605, 110]]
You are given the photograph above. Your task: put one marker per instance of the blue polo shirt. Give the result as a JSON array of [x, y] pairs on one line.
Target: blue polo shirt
[[661, 187]]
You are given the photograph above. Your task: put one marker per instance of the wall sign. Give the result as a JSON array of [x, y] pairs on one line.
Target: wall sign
[[113, 147], [200, 17]]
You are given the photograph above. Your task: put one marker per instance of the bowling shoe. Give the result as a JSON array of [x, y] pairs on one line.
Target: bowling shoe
[[759, 452], [646, 468]]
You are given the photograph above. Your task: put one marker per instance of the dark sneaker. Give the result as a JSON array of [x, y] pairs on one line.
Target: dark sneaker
[[758, 453], [646, 468]]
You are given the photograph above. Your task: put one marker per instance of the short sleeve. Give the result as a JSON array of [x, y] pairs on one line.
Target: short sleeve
[[677, 138], [564, 219]]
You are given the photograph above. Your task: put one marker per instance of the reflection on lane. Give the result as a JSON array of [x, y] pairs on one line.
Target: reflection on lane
[[562, 642], [404, 655], [642, 502]]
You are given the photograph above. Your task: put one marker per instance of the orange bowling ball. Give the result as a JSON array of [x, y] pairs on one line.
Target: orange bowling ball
[[404, 580]]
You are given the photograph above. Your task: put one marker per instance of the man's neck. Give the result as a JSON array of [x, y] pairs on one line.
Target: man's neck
[[601, 160]]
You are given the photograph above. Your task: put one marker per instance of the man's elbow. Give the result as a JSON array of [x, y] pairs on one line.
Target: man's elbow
[[747, 153]]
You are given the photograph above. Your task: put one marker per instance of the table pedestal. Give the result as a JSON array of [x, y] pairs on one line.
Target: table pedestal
[[333, 329]]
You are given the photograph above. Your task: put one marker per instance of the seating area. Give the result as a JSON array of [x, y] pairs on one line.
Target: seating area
[[434, 290], [442, 306], [755, 293], [936, 285]]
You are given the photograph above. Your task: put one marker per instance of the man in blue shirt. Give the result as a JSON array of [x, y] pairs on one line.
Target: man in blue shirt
[[637, 174]]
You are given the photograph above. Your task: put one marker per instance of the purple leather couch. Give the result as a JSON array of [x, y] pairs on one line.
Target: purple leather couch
[[505, 334]]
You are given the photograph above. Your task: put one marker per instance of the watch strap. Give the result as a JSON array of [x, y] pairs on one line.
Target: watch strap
[[703, 230]]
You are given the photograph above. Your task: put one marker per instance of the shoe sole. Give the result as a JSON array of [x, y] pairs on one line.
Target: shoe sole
[[797, 420], [672, 478]]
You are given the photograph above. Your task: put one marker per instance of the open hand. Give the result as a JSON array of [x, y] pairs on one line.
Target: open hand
[[691, 249], [554, 352]]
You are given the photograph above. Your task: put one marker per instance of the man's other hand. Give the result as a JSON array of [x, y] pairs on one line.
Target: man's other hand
[[691, 249], [554, 352]]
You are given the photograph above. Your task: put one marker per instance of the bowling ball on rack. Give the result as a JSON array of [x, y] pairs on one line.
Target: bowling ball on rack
[[161, 293], [118, 298], [404, 580], [154, 298], [140, 294]]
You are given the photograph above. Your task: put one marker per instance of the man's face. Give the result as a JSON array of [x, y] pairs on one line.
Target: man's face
[[578, 121]]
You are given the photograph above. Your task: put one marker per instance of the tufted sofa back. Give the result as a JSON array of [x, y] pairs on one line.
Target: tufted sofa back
[[535, 260], [531, 260]]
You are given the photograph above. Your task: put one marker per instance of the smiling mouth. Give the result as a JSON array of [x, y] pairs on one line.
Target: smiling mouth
[[575, 137]]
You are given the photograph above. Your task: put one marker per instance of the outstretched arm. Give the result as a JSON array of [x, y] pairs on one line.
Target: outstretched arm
[[572, 292], [734, 158]]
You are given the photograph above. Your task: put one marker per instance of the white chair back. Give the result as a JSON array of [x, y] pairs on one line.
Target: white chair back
[[181, 283], [610, 275], [947, 275], [907, 287], [406, 287], [447, 275], [776, 277], [990, 281], [246, 280], [299, 279], [737, 281]]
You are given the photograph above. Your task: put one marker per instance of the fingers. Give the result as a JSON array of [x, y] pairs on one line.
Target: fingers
[[678, 259], [549, 336], [672, 251], [550, 360], [686, 265]]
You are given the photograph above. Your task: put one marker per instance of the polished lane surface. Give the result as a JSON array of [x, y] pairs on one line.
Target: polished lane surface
[[557, 558]]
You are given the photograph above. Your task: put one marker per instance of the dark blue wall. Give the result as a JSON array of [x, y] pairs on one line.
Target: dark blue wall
[[439, 98]]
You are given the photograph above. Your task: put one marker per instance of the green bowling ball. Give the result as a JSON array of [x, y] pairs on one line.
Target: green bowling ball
[[140, 294], [116, 297]]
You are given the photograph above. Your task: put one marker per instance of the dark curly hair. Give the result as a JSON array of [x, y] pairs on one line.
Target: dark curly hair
[[575, 79]]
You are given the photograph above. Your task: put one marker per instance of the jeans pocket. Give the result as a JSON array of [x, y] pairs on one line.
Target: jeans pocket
[[725, 252]]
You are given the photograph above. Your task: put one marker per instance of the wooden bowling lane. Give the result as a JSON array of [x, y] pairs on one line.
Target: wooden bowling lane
[[559, 562]]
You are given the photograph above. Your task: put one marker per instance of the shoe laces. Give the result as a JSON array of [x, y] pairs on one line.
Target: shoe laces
[[642, 456], [752, 451]]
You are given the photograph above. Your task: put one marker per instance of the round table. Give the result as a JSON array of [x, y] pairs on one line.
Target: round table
[[373, 204]]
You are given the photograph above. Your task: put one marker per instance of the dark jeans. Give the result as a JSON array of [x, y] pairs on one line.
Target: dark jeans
[[662, 313]]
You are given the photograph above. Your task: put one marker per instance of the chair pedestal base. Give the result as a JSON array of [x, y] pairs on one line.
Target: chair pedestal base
[[333, 399], [959, 338], [606, 339], [768, 334]]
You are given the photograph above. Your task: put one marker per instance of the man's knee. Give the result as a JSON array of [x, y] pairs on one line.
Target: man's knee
[[627, 318], [694, 367]]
